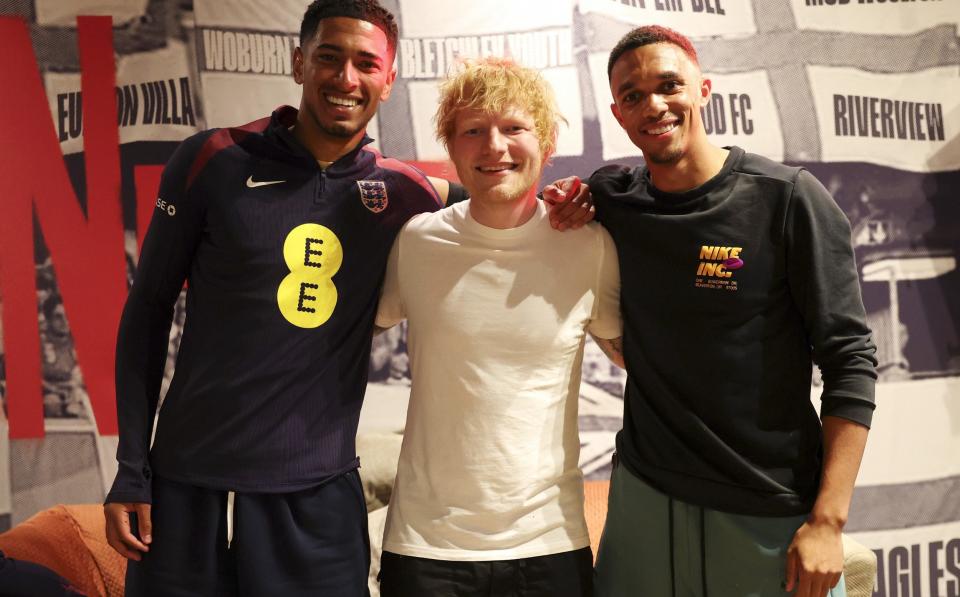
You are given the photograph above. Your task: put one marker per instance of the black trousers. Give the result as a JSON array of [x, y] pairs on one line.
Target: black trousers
[[310, 542], [568, 574]]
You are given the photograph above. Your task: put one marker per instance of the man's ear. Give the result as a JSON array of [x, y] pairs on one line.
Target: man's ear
[[616, 113], [545, 156], [706, 85], [297, 65], [391, 77]]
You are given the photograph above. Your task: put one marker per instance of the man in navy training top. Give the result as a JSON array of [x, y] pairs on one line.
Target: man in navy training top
[[282, 228], [737, 274]]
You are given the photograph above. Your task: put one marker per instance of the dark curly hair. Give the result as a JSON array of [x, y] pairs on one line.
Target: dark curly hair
[[650, 34], [365, 10]]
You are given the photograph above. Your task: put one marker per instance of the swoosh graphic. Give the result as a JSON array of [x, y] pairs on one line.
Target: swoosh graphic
[[252, 184]]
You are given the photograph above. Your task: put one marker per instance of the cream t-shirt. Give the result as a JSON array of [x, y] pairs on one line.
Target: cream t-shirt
[[496, 326]]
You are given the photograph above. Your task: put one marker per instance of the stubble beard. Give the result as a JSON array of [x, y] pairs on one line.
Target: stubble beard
[[341, 131], [668, 156], [501, 194], [518, 189]]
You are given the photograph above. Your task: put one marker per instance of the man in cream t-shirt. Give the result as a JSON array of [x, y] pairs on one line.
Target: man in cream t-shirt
[[489, 496]]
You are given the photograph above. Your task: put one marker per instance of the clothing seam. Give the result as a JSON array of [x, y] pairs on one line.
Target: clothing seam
[[787, 215]]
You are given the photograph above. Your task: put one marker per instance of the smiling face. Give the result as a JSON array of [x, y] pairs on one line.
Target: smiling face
[[497, 155], [346, 70], [658, 92]]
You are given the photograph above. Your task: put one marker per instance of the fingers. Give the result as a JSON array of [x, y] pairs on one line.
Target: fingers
[[119, 535], [813, 582], [821, 582], [145, 525], [576, 211], [559, 190], [811, 585], [791, 572]]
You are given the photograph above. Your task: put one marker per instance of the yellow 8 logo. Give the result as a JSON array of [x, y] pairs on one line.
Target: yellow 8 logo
[[307, 295]]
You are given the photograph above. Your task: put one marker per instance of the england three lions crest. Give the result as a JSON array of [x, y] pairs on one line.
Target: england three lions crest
[[373, 194]]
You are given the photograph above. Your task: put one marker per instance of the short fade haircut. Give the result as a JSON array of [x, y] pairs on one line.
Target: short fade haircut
[[650, 34], [492, 85], [364, 10]]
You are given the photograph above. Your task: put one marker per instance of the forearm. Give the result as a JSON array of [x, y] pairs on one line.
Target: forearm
[[843, 444], [613, 348], [141, 356]]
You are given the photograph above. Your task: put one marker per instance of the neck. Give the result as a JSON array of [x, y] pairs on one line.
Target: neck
[[696, 167], [496, 213], [322, 145]]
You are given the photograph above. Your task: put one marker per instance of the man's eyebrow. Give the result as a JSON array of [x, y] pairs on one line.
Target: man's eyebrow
[[624, 86], [339, 49], [370, 55], [664, 76]]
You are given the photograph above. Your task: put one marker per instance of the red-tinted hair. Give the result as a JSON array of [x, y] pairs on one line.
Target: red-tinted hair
[[650, 34]]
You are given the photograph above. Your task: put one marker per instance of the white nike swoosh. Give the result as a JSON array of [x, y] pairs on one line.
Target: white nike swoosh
[[252, 184]]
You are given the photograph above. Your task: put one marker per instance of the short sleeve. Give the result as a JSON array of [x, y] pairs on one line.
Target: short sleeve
[[390, 312], [606, 322]]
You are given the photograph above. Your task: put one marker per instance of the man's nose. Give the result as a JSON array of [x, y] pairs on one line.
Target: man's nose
[[654, 105], [496, 141], [348, 75]]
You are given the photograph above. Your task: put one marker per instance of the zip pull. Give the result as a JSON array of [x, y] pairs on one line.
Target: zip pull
[[230, 497], [318, 196]]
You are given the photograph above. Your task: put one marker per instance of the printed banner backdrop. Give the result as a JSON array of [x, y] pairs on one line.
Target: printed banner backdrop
[[864, 93]]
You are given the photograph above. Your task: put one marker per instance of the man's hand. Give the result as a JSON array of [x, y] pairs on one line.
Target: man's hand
[[814, 559], [571, 205], [120, 535]]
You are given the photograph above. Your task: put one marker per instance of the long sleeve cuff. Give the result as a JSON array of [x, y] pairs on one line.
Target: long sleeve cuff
[[132, 485], [851, 397]]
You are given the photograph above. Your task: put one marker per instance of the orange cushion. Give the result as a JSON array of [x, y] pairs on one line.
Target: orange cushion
[[71, 541], [595, 509]]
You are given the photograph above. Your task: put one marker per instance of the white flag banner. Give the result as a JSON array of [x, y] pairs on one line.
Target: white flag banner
[[693, 18], [155, 99], [904, 120], [875, 16]]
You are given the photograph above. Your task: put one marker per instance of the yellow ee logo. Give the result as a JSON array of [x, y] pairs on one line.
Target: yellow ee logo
[[307, 295]]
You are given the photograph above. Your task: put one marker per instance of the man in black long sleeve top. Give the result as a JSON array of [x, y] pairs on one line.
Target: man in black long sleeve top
[[737, 274], [282, 230]]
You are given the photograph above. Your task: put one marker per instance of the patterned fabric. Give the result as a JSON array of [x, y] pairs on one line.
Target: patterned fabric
[[71, 541]]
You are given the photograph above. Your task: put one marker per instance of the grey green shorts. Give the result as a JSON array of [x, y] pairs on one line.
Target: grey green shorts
[[653, 545]]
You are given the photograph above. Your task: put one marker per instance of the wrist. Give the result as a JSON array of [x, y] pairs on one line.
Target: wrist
[[832, 519]]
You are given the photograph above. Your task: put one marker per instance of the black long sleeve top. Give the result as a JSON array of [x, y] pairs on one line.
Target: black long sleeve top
[[283, 262], [729, 292]]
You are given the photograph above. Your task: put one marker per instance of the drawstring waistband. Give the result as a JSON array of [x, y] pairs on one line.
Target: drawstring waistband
[[230, 497]]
